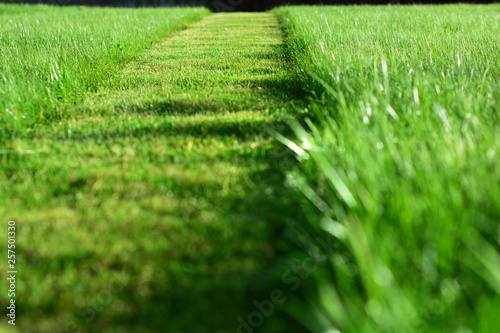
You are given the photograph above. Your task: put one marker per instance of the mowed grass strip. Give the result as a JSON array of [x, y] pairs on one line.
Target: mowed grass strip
[[161, 191]]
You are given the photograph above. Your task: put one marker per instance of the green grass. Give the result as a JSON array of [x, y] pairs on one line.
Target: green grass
[[152, 202], [401, 162], [50, 56], [136, 160]]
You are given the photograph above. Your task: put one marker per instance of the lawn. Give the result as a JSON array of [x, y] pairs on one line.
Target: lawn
[[148, 198], [171, 169], [401, 161], [49, 56]]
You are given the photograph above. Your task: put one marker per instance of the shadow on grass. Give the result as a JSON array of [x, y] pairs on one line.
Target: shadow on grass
[[199, 301], [242, 129], [221, 267], [267, 93], [210, 297]]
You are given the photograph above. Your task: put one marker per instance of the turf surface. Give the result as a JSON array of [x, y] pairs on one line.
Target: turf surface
[[402, 165], [144, 164], [158, 196]]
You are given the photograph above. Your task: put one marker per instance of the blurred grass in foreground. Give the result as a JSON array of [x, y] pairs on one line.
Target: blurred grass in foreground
[[401, 158]]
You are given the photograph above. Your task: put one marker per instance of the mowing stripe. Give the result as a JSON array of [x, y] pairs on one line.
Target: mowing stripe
[[168, 179], [226, 62]]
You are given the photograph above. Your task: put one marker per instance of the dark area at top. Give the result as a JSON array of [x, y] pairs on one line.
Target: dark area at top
[[227, 5]]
